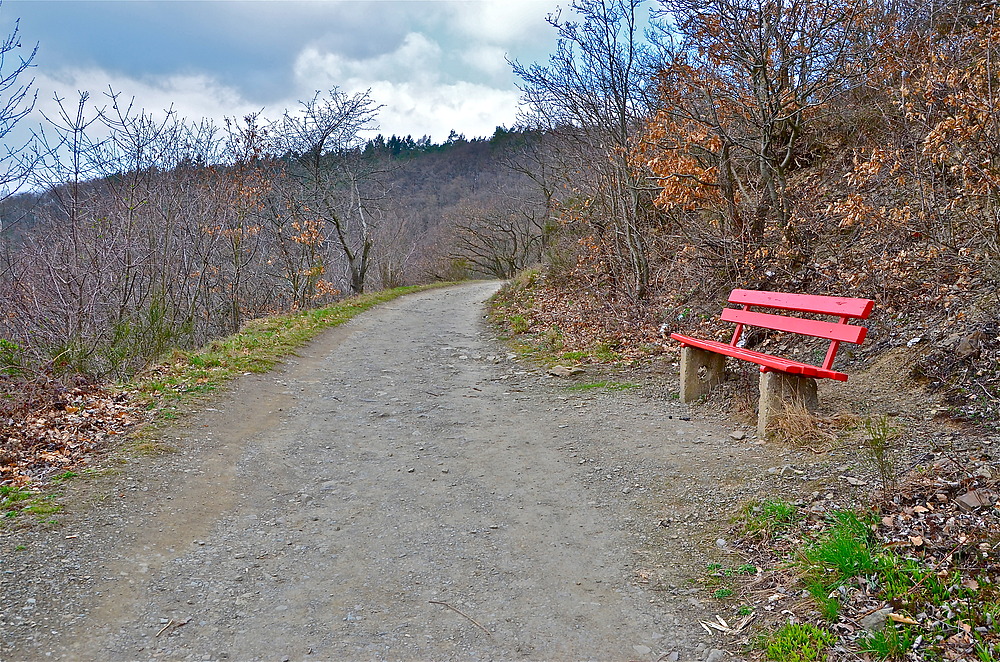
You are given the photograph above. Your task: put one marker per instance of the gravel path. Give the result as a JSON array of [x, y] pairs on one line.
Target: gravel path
[[402, 490]]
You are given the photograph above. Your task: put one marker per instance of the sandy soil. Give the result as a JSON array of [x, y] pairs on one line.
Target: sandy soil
[[401, 490]]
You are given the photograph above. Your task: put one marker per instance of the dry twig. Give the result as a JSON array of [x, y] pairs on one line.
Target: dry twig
[[462, 613]]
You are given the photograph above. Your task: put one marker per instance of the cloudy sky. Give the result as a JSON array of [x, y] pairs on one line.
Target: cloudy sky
[[434, 65]]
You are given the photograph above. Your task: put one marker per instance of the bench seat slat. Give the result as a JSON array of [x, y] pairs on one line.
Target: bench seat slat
[[765, 360], [808, 327], [805, 303]]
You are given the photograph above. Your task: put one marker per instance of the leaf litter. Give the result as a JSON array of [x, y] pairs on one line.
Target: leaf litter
[[50, 425]]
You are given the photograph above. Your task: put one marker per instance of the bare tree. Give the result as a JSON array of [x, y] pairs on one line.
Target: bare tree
[[17, 100], [500, 237], [333, 184], [595, 87]]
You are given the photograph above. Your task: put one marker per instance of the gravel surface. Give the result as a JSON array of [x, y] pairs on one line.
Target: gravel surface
[[401, 490]]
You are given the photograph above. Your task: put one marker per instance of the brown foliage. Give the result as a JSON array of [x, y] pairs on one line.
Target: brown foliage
[[50, 425]]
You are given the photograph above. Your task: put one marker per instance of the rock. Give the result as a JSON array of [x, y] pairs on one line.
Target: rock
[[672, 657], [914, 341], [875, 620], [738, 435], [975, 499], [715, 655], [969, 346], [642, 650], [564, 370]]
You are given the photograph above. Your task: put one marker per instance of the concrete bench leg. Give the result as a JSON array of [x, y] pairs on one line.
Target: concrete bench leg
[[701, 370], [777, 391]]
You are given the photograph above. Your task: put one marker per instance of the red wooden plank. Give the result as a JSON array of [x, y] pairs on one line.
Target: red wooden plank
[[764, 360], [807, 327], [806, 303]]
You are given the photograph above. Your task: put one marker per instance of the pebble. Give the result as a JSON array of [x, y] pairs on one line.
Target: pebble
[[875, 620]]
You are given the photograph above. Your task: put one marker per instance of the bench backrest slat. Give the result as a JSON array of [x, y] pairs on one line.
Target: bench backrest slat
[[805, 303], [809, 327]]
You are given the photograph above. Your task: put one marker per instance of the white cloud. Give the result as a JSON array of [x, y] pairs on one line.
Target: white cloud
[[475, 110], [503, 21], [409, 82], [489, 59], [417, 58], [190, 96]]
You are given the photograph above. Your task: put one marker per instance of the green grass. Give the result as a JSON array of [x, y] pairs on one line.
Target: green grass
[[797, 642], [843, 551], [889, 643], [17, 501], [720, 578], [12, 500], [769, 518]]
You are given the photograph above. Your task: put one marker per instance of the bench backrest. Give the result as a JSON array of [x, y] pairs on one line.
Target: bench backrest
[[845, 309]]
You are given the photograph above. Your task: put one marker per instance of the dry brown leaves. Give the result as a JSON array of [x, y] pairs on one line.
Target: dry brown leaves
[[47, 427]]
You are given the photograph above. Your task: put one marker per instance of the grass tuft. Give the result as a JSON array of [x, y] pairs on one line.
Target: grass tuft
[[768, 519], [889, 643], [797, 642]]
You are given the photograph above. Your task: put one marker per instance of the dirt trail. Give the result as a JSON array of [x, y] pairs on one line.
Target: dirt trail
[[401, 490]]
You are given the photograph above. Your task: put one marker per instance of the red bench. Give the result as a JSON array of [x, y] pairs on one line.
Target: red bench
[[703, 361]]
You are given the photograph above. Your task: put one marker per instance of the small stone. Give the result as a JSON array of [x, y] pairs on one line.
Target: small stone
[[564, 371], [970, 346], [914, 341], [715, 655], [642, 650], [875, 620], [673, 657], [738, 435], [975, 499], [721, 543]]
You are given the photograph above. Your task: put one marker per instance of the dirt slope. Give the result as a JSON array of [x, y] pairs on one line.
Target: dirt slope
[[401, 490]]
